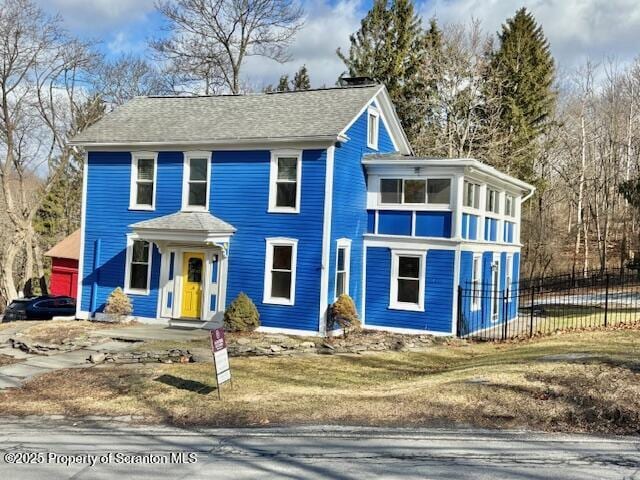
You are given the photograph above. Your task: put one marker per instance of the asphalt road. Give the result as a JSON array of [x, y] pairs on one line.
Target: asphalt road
[[308, 453]]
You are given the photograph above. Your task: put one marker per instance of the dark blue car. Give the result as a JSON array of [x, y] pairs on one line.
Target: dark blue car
[[40, 308]]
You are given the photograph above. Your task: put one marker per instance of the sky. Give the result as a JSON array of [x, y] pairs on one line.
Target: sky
[[577, 30]]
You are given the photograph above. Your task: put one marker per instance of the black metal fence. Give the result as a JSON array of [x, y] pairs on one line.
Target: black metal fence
[[547, 305]]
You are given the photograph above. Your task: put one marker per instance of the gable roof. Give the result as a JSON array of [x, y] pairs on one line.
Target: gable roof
[[202, 222], [312, 115], [67, 248]]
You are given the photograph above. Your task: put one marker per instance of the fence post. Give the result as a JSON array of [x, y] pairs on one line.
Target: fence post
[[533, 293], [606, 300]]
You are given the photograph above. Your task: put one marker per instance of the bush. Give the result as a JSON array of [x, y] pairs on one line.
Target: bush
[[118, 305], [343, 314], [241, 315]]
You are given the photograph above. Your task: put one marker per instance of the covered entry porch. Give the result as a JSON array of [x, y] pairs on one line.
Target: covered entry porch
[[193, 269]]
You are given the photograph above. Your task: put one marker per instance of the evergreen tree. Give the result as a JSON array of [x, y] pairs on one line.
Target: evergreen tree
[[524, 70], [390, 49], [283, 84], [301, 80]]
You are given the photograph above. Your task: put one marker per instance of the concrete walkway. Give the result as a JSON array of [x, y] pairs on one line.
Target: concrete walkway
[[152, 332]]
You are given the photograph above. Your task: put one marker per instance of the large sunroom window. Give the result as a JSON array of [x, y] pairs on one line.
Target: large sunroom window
[[415, 191]]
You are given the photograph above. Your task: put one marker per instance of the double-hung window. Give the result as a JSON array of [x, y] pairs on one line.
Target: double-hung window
[[143, 181], [373, 127], [493, 204], [407, 280], [138, 268], [280, 271], [471, 195], [476, 282], [343, 261], [195, 186], [285, 176]]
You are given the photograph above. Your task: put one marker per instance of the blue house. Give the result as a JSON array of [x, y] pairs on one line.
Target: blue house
[[293, 198]]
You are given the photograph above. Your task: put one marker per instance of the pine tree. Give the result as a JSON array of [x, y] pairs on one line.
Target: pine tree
[[524, 69], [283, 84], [390, 49], [301, 80]]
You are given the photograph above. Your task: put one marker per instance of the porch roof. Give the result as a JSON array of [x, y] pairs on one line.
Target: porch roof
[[184, 226]]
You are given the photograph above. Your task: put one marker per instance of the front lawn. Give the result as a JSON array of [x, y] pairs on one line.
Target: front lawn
[[587, 381]]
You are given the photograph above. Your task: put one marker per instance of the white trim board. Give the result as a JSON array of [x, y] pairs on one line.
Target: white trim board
[[326, 240], [83, 213]]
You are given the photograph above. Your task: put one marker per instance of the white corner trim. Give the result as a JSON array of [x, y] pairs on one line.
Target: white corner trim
[[394, 304], [133, 190], [326, 240], [186, 165], [83, 213], [268, 264], [372, 111], [344, 243], [273, 178], [127, 269]]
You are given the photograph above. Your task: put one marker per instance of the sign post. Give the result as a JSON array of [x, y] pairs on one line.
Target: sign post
[[219, 351]]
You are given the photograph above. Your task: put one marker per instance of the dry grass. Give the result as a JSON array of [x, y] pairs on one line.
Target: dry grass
[[57, 331], [7, 360], [485, 385]]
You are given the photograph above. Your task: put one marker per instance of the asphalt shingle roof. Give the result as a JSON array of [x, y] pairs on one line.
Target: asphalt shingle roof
[[189, 221], [299, 114]]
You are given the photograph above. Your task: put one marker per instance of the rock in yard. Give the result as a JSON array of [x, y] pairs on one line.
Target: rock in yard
[[243, 341], [275, 348], [307, 345], [97, 357]]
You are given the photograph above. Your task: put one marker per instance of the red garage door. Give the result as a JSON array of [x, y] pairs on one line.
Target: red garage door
[[64, 277]]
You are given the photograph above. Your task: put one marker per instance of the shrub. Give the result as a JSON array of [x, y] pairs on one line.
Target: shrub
[[344, 315], [118, 305], [241, 315]]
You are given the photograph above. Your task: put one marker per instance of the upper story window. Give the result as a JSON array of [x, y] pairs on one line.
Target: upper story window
[[138, 267], [373, 126], [196, 177], [280, 271], [143, 181], [471, 195], [285, 176], [493, 203], [509, 205], [407, 280], [415, 191], [343, 266]]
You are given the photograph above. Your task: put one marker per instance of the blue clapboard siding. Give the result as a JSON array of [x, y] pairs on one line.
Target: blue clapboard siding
[[469, 226], [439, 287], [371, 221], [350, 218], [433, 224], [392, 222], [108, 218], [239, 195], [490, 229]]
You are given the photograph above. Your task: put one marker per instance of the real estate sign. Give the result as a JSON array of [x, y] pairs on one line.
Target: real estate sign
[[220, 356]]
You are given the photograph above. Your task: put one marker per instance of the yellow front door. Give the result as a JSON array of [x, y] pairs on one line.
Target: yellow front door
[[192, 267]]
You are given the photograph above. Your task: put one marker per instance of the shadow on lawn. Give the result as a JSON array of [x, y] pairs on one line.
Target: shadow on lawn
[[183, 384]]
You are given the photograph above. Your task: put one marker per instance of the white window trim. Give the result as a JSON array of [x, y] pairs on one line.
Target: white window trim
[[393, 291], [372, 111], [268, 263], [133, 190], [496, 201], [127, 271], [476, 303], [185, 181], [414, 206], [508, 276], [273, 177], [346, 244]]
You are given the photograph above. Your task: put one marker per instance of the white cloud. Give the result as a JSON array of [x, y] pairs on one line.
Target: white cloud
[[576, 29], [327, 28], [98, 16]]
